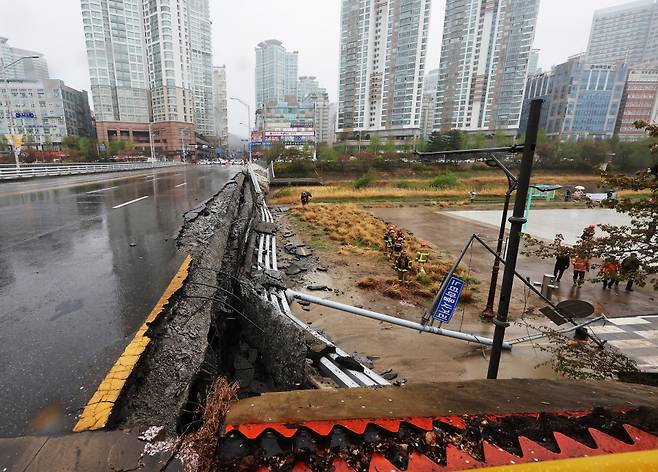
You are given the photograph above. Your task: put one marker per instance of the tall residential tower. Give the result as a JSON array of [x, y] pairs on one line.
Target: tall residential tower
[[382, 64], [276, 73], [484, 63], [220, 105], [150, 61]]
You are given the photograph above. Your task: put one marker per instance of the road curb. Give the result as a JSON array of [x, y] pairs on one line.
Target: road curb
[[99, 408]]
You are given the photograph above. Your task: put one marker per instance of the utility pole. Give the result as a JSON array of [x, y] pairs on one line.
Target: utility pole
[[517, 221], [248, 122]]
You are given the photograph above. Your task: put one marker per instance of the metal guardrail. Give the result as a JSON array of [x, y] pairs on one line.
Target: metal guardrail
[[10, 172], [328, 364]]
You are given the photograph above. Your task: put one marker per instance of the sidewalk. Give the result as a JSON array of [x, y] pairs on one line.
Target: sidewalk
[[84, 452]]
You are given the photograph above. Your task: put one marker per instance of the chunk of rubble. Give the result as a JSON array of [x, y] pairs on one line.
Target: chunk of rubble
[[317, 288], [294, 269]]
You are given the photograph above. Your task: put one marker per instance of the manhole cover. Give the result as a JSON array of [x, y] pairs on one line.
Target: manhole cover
[[576, 308]]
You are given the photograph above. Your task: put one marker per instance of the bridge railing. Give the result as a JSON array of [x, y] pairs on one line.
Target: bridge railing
[[9, 171]]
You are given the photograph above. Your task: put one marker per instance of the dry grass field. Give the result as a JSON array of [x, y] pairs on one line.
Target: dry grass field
[[355, 232], [486, 185]]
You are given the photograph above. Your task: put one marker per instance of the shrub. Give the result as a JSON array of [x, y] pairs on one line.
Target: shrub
[[367, 180], [444, 181], [403, 184]]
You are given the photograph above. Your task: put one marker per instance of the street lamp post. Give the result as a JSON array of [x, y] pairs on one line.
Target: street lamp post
[[517, 221], [10, 119], [248, 121]]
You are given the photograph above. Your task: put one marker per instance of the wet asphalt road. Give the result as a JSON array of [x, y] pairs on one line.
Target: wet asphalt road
[[72, 289]]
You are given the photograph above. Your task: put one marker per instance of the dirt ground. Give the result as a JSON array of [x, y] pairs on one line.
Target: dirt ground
[[413, 356]]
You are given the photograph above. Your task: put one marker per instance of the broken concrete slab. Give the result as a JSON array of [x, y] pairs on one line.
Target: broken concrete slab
[[294, 269], [317, 287], [303, 252], [265, 227], [390, 376]]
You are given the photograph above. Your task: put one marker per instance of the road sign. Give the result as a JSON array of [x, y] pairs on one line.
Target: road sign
[[449, 299], [24, 115]]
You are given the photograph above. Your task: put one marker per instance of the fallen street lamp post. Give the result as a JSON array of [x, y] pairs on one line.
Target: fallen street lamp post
[[292, 295]]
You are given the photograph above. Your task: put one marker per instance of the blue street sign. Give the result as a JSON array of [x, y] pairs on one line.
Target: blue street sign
[[448, 303], [25, 115]]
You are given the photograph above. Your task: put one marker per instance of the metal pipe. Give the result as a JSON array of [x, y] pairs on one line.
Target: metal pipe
[[564, 331], [292, 295], [488, 310], [517, 221]]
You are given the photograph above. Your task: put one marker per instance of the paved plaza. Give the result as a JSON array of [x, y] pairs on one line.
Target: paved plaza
[[637, 337], [547, 223]]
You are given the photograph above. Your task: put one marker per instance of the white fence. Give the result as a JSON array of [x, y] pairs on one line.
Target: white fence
[[8, 172]]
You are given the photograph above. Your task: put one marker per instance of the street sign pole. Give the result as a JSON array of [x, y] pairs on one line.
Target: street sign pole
[[517, 221]]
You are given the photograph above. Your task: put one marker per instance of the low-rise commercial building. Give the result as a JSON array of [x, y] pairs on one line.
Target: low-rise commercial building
[[44, 111]]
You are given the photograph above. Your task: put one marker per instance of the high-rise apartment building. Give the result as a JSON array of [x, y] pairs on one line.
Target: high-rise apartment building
[[150, 61], [484, 63], [26, 69], [201, 64], [220, 105], [624, 33], [322, 120], [308, 85], [382, 63], [428, 105], [276, 73], [116, 54]]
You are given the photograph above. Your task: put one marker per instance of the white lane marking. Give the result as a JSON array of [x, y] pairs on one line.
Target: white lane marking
[[180, 185], [103, 189], [128, 203]]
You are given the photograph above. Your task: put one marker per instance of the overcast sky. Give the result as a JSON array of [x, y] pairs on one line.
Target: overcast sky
[[54, 28]]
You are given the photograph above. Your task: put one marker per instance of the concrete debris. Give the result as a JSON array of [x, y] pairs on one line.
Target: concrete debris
[[270, 278], [133, 244], [321, 269], [288, 234], [365, 360], [303, 303], [349, 363], [294, 269], [303, 252], [385, 371], [151, 433], [390, 376], [265, 227], [317, 288]]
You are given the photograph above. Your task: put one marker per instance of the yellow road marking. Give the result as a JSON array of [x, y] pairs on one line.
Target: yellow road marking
[[98, 409], [629, 461]]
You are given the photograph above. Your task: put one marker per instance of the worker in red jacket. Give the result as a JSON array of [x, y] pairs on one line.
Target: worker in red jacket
[[580, 266]]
